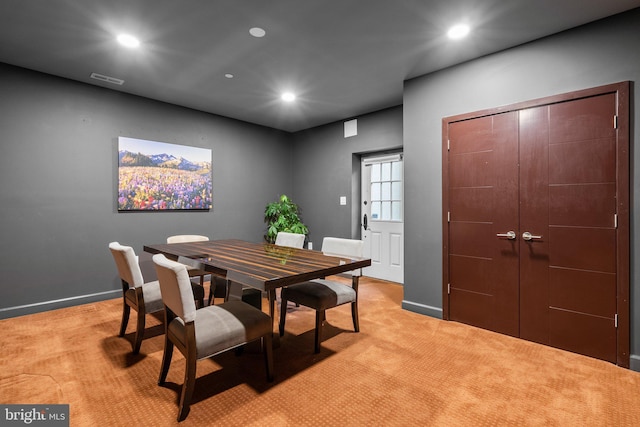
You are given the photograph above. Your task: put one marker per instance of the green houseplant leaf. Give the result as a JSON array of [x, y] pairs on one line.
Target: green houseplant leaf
[[283, 215]]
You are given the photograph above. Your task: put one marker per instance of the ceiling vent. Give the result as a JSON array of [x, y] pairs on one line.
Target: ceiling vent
[[107, 79]]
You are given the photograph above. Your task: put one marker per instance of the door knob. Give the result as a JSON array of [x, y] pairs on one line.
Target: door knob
[[364, 222], [511, 235], [528, 236]]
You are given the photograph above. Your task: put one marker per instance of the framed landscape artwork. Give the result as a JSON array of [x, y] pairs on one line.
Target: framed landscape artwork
[[157, 176]]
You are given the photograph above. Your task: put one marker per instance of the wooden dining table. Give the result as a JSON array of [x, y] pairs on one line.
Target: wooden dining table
[[262, 266]]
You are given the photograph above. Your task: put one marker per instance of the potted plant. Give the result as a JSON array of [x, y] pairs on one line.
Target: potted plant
[[283, 215]]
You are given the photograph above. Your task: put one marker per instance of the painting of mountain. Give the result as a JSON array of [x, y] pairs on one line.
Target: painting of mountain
[[156, 176]]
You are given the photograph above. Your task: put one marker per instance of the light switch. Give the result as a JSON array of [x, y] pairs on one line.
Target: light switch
[[343, 200]]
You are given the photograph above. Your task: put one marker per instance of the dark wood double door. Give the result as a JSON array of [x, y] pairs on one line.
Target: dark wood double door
[[536, 221]]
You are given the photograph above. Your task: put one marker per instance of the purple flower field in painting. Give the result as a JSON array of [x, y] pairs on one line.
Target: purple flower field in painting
[[161, 188]]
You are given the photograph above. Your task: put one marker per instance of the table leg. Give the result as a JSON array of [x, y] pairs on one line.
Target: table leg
[[272, 313]]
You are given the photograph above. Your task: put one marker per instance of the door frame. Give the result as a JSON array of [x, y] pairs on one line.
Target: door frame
[[622, 91]]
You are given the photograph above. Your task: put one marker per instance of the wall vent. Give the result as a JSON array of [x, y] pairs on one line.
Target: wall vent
[[107, 79], [350, 128]]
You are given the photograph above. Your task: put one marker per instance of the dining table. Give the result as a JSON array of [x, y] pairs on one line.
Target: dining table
[[263, 266]]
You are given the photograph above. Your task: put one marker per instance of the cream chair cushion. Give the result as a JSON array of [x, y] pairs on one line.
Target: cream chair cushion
[[320, 294], [225, 319]]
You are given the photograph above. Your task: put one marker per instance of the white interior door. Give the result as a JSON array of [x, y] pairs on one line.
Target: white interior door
[[382, 216]]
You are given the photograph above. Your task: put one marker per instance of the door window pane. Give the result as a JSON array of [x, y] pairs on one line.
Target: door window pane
[[375, 191], [396, 171], [375, 210], [396, 211], [385, 172], [386, 191], [396, 191], [375, 172], [386, 211]]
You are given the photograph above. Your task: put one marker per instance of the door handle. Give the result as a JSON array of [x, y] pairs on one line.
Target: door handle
[[528, 236], [511, 235], [364, 222]]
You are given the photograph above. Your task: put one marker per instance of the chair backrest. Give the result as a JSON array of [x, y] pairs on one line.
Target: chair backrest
[[127, 263], [175, 287], [335, 246], [342, 247], [291, 240], [185, 238]]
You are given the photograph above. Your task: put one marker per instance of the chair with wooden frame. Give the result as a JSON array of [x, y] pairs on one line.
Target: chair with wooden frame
[[143, 297], [205, 332], [322, 294]]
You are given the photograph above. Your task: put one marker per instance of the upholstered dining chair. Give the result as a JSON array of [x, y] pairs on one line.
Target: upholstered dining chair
[[322, 294], [291, 240], [143, 297], [191, 268], [205, 332]]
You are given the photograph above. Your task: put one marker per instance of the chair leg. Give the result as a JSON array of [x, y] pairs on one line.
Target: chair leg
[[139, 331], [354, 314], [126, 310], [320, 318], [166, 360], [189, 383], [283, 315], [267, 348], [212, 290]]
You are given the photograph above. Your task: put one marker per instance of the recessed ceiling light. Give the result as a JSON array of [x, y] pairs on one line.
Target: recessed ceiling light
[[458, 31], [257, 32], [128, 40], [229, 75], [288, 97]]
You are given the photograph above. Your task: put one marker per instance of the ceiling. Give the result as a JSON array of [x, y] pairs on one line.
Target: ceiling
[[343, 58]]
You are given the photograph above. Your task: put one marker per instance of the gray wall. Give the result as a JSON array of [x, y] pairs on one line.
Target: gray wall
[[326, 165], [58, 180], [597, 54]]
